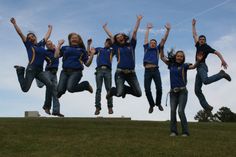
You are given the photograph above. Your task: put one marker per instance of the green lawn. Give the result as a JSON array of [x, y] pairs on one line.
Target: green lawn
[[73, 137]]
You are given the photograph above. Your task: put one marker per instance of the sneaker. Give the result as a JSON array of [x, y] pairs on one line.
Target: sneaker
[[90, 89], [97, 111], [184, 135], [58, 114], [173, 134], [160, 108], [150, 110], [225, 75], [110, 110], [47, 110]]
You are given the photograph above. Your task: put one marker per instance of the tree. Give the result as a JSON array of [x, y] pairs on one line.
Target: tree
[[225, 115], [203, 116]]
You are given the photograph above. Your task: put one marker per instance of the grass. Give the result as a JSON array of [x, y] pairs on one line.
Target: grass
[[73, 137]]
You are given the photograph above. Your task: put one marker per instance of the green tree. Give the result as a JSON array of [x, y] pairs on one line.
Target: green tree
[[225, 115], [203, 116]]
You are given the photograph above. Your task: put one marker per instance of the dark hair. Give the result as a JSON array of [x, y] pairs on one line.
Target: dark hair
[[80, 44], [180, 51], [109, 41], [153, 40], [126, 37], [30, 33], [202, 36]]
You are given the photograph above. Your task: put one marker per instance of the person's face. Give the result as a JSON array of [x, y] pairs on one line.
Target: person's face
[[120, 39], [153, 44], [179, 58], [74, 40], [50, 45], [32, 38], [107, 44], [202, 40]]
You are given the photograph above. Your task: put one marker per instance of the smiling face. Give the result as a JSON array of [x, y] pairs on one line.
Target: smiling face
[[120, 38], [50, 45], [179, 57], [32, 38]]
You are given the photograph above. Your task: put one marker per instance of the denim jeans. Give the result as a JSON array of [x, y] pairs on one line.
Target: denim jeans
[[103, 74], [202, 78], [178, 99], [121, 89], [26, 77], [49, 98], [149, 75], [70, 81]]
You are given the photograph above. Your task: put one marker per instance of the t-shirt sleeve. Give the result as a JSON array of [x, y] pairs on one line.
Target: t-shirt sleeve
[[186, 66], [85, 56], [42, 43], [197, 44], [145, 46], [62, 50], [27, 43], [210, 50], [97, 50]]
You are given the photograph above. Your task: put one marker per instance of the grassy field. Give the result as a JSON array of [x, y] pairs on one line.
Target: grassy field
[[73, 137]]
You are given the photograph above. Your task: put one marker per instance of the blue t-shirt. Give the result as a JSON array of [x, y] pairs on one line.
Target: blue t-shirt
[[151, 55], [52, 62], [178, 75], [104, 56], [73, 57], [36, 53], [125, 55]]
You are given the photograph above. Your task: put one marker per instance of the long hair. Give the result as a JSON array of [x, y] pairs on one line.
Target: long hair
[[126, 37], [180, 51], [80, 44], [30, 33]]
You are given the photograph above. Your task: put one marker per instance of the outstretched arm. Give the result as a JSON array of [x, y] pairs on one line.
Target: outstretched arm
[[195, 36], [163, 57], [57, 52], [149, 26], [89, 42], [139, 18], [223, 63], [18, 30], [163, 40], [48, 34], [108, 32], [92, 52]]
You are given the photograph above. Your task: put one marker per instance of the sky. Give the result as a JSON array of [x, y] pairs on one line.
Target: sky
[[215, 19]]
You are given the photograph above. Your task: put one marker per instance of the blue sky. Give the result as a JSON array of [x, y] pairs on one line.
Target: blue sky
[[215, 19]]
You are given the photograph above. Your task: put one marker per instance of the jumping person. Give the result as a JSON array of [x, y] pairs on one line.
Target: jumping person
[[202, 77], [103, 73], [178, 93], [51, 71], [36, 55], [150, 62], [73, 57], [125, 53]]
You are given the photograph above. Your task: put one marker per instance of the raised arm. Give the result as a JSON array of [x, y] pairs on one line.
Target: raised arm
[[18, 30], [163, 40], [223, 63], [149, 26], [58, 48], [139, 18], [92, 52], [48, 34], [163, 57], [195, 36], [89, 42], [108, 32]]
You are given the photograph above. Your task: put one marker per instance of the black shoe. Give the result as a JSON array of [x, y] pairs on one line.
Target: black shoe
[[225, 75], [18, 67], [90, 89], [110, 110], [150, 110], [160, 107], [97, 111], [47, 110], [58, 114]]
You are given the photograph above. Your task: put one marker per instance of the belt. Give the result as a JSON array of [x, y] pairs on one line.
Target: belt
[[72, 70], [103, 67], [177, 89], [126, 71]]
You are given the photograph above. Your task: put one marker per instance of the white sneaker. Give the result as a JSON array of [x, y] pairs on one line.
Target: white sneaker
[[173, 134], [184, 135]]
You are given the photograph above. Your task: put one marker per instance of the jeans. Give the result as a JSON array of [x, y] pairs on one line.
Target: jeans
[[153, 73], [121, 89], [103, 74], [49, 98], [202, 78], [26, 77], [70, 81], [178, 99]]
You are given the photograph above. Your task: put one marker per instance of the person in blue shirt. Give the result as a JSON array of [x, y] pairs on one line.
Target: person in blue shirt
[[103, 72], [178, 92], [36, 55], [125, 53], [202, 70], [150, 62], [51, 72], [74, 57]]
